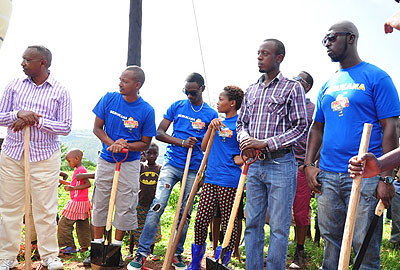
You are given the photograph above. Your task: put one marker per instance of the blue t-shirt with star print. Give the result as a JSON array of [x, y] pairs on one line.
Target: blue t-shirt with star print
[[124, 120], [221, 169], [351, 97], [188, 121]]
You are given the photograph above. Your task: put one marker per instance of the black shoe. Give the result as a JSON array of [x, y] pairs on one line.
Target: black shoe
[[87, 261], [299, 261]]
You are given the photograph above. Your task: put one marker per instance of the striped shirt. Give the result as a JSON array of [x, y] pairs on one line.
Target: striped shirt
[[52, 101], [275, 112]]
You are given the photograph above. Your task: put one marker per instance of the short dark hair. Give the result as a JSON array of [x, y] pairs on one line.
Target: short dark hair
[[279, 47], [195, 77], [155, 146], [234, 93], [44, 52], [309, 79], [138, 73]]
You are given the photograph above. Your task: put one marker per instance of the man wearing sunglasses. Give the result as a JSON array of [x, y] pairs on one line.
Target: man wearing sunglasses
[[357, 93], [190, 118], [272, 118]]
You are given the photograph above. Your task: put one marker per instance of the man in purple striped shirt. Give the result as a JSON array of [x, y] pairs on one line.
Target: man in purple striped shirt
[[271, 120], [43, 104]]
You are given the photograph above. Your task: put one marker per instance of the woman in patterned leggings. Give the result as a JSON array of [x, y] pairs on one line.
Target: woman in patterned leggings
[[222, 174]]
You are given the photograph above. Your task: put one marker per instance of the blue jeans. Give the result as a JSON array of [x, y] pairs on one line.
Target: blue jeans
[[270, 184], [332, 210], [169, 176]]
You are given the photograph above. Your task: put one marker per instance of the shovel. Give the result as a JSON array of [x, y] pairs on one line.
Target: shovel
[[345, 249], [378, 212], [175, 237], [217, 264], [178, 209], [106, 254], [28, 233]]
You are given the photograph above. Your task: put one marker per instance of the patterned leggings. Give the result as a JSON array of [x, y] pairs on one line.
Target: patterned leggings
[[211, 197]]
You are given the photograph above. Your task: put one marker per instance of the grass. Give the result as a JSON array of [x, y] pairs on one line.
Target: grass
[[389, 256]]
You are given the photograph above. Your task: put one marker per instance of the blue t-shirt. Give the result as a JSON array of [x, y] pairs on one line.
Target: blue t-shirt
[[188, 121], [125, 120], [221, 169], [351, 97]]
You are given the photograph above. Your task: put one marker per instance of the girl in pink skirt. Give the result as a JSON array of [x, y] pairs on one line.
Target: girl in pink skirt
[[77, 210]]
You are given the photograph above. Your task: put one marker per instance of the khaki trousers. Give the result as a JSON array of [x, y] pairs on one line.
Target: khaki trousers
[[65, 229], [44, 182]]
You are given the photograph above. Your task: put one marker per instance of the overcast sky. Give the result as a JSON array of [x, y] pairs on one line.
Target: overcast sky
[[89, 40]]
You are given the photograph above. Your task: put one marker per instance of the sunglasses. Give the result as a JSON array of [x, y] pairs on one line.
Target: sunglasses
[[193, 93], [300, 79], [331, 37]]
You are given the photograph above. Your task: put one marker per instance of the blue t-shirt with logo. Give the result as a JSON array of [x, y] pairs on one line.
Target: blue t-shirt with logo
[[188, 121], [125, 120], [351, 97], [221, 169]]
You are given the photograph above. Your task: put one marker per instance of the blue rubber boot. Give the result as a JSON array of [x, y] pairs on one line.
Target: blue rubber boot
[[227, 257], [197, 255]]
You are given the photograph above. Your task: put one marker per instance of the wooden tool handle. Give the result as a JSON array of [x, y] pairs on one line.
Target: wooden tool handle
[[28, 225], [235, 208], [345, 250], [380, 207], [111, 204], [168, 255], [171, 249], [63, 182]]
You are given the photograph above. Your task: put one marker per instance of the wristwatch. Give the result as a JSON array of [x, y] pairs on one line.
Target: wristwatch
[[309, 164], [387, 179]]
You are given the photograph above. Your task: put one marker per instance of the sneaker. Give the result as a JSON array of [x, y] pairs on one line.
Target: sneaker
[[87, 261], [299, 261], [178, 263], [7, 264], [52, 263], [137, 262]]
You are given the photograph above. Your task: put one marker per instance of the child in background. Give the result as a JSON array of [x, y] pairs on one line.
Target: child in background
[[77, 210], [149, 172]]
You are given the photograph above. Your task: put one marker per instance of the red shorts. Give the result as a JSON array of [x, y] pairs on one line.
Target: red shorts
[[301, 204]]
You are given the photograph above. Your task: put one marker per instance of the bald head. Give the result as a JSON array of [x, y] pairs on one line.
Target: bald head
[[345, 26], [75, 153]]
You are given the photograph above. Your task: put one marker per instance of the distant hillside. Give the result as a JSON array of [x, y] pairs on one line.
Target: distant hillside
[[85, 140]]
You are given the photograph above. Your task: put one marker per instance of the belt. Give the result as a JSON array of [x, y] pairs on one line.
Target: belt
[[273, 155]]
